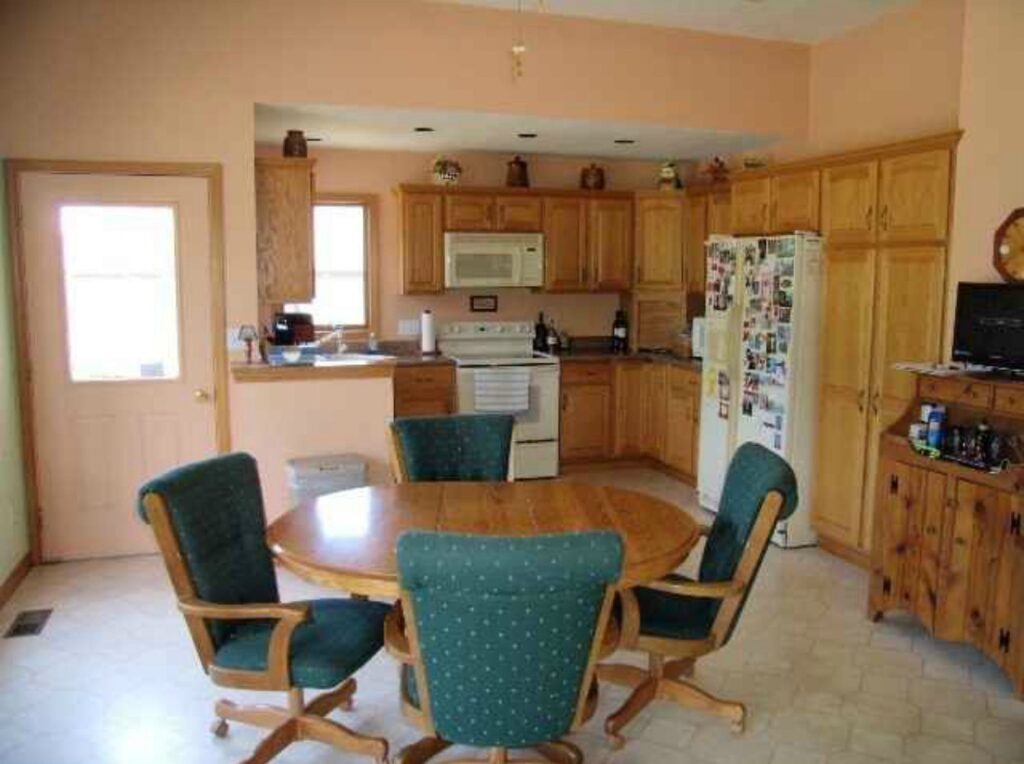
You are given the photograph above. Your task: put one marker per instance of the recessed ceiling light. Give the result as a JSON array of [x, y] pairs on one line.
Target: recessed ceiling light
[[527, 135], [423, 129], [624, 141]]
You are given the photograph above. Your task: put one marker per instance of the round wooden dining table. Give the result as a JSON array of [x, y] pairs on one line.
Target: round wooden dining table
[[346, 540]]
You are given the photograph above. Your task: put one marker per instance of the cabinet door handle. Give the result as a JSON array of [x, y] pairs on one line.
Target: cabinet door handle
[[870, 218], [862, 395], [565, 401], [885, 218], [875, 401]]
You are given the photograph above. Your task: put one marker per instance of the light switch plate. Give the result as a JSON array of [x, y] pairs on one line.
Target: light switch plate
[[408, 327]]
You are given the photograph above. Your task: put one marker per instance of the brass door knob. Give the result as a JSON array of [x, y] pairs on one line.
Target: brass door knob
[[200, 396]]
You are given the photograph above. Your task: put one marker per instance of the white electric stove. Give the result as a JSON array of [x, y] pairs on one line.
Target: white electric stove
[[487, 344]]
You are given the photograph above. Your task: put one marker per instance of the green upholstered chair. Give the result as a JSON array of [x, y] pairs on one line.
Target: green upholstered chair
[[458, 447], [498, 638], [680, 619], [209, 525]]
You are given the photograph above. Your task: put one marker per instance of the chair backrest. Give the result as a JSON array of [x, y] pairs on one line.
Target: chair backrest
[[505, 631], [209, 524], [459, 447], [760, 489]]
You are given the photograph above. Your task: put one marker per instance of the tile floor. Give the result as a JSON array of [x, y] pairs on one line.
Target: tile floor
[[114, 678]]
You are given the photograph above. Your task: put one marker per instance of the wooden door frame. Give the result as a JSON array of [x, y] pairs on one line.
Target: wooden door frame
[[212, 174]]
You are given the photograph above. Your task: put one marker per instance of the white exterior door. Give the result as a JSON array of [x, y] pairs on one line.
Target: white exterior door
[[117, 312]]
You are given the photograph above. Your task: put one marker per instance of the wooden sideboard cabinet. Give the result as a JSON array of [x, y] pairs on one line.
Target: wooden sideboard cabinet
[[949, 540], [284, 229]]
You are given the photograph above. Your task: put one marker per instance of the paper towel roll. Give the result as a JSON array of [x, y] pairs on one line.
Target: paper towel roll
[[428, 336]]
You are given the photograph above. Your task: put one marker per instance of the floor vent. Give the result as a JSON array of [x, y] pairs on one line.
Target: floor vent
[[28, 623]]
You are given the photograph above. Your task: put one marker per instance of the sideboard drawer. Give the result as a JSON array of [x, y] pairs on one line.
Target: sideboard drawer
[[964, 392]]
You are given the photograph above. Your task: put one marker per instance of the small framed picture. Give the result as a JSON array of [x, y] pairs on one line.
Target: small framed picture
[[483, 303]]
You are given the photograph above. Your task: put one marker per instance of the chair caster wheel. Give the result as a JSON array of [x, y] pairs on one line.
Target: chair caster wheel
[[219, 728], [616, 742], [347, 705], [737, 727]]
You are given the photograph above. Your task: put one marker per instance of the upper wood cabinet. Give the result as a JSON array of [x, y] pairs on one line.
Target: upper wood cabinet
[[659, 241], [849, 198], [914, 197], [719, 213], [695, 229], [565, 244], [518, 213], [610, 242], [284, 229], [750, 206], [422, 242], [468, 212], [795, 197]]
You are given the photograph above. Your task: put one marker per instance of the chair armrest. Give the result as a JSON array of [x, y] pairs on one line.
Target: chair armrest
[[715, 590], [296, 612], [277, 675], [395, 640], [610, 639]]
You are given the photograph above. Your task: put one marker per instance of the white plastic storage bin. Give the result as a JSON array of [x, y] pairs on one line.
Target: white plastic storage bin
[[314, 476]]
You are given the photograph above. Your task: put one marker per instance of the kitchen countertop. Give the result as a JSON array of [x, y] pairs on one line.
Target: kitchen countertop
[[593, 355]]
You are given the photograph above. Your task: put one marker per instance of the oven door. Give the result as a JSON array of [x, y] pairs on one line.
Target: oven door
[[540, 421]]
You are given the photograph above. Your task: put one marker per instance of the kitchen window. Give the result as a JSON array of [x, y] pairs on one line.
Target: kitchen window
[[343, 263]]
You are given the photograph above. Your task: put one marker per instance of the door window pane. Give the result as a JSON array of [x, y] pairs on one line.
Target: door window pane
[[121, 292], [339, 254]]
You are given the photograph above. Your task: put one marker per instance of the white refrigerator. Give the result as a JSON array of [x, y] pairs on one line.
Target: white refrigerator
[[759, 379]]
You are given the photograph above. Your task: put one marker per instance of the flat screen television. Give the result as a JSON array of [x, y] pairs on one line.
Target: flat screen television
[[989, 328]]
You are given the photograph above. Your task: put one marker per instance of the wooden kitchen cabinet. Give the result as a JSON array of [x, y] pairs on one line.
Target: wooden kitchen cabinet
[[585, 428], [682, 421], [659, 241], [795, 198], [424, 390], [849, 195], [631, 404], [565, 244], [610, 244], [695, 229], [422, 247], [844, 381], [519, 213], [284, 229], [948, 542], [468, 212], [719, 213], [914, 197], [656, 396], [750, 206]]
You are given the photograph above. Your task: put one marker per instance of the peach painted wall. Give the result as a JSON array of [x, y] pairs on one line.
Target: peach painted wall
[[990, 162], [896, 78], [378, 172], [278, 421]]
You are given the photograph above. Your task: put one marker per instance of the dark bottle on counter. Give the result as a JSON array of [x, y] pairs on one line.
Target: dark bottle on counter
[[540, 335], [620, 333], [553, 340]]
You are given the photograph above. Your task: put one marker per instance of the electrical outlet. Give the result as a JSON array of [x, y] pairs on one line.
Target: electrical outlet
[[408, 327]]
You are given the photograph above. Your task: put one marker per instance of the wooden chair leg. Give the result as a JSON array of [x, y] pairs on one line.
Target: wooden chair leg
[[422, 750], [621, 674], [691, 696], [268, 717], [642, 696], [561, 752], [274, 743], [341, 737], [340, 697]]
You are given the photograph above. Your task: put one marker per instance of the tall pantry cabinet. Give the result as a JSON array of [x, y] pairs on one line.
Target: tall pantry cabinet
[[885, 220]]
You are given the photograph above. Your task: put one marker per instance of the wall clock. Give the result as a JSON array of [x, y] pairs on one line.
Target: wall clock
[[1009, 247]]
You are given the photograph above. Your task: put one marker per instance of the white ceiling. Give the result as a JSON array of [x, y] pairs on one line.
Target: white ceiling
[[392, 129], [807, 21]]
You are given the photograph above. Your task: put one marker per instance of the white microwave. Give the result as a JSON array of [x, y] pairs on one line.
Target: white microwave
[[481, 260]]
